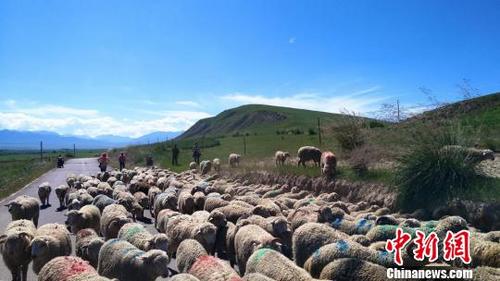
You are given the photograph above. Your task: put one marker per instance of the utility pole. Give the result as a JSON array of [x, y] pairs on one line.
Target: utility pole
[[74, 150], [397, 102], [41, 151], [244, 145], [319, 131]]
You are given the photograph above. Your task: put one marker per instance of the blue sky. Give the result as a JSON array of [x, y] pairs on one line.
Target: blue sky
[[133, 67]]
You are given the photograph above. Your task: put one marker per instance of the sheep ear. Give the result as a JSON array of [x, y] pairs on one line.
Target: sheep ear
[[3, 238]]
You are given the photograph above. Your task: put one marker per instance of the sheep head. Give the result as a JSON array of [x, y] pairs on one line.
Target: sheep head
[[157, 262], [15, 244], [158, 241], [14, 207], [74, 218], [217, 218], [40, 246], [205, 233]]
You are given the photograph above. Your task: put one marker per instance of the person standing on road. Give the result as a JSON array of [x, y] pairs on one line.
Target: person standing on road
[[103, 162], [175, 155], [122, 159], [196, 153]]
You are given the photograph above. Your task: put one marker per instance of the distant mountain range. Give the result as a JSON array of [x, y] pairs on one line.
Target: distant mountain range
[[10, 139]]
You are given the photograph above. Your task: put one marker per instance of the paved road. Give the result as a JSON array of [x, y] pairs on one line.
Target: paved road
[[56, 177]]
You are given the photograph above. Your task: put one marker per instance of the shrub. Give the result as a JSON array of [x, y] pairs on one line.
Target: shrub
[[311, 132], [429, 175], [349, 132], [362, 157], [375, 124]]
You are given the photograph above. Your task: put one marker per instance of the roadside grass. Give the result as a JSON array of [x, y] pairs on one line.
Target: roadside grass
[[18, 168]]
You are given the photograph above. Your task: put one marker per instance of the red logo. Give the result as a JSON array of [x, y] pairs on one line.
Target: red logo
[[455, 245], [397, 244]]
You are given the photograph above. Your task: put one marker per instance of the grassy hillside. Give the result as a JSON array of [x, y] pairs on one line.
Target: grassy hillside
[[260, 119]]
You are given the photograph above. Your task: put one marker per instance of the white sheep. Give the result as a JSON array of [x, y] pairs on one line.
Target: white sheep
[[24, 207], [113, 218], [308, 153], [234, 160], [205, 166], [51, 240], [69, 269], [122, 260], [280, 157], [88, 216], [193, 166], [44, 190], [15, 247], [216, 164], [61, 194]]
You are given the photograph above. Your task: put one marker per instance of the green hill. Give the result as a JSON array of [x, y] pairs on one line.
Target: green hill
[[481, 115], [260, 119]]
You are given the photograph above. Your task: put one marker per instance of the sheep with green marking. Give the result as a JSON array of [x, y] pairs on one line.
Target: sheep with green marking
[[343, 249], [248, 239], [138, 236], [276, 266], [347, 269]]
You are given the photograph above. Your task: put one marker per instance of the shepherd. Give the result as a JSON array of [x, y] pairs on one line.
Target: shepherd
[[103, 162]]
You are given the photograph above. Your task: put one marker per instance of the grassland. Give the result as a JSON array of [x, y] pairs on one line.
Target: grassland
[[18, 168]]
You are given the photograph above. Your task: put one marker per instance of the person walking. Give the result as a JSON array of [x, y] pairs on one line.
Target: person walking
[[175, 155], [122, 159], [196, 153], [103, 162]]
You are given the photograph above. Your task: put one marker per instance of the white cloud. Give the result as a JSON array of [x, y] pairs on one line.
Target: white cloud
[[360, 101], [89, 122], [188, 103], [292, 40]]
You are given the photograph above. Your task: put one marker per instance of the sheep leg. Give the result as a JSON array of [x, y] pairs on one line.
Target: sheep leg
[[35, 220], [25, 272]]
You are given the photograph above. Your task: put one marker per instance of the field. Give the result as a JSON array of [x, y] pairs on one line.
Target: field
[[18, 168]]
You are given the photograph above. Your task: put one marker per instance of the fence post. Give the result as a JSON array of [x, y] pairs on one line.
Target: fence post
[[244, 145], [41, 151], [319, 132]]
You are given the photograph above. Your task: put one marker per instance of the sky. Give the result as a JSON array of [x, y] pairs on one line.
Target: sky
[[133, 67]]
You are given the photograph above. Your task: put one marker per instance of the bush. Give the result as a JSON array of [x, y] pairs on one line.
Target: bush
[[375, 124], [429, 175], [311, 132], [362, 157], [349, 132]]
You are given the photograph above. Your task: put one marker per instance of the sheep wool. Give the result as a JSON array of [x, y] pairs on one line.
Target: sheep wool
[[347, 269], [87, 245], [210, 268], [183, 277], [188, 252], [24, 207], [122, 260], [310, 237], [88, 216], [184, 227], [138, 236], [69, 269], [14, 246], [256, 277], [61, 193], [113, 218], [276, 266], [343, 249], [51, 240], [44, 190], [250, 238]]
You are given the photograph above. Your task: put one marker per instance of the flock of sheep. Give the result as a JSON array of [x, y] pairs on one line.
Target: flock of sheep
[[217, 229], [326, 160]]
